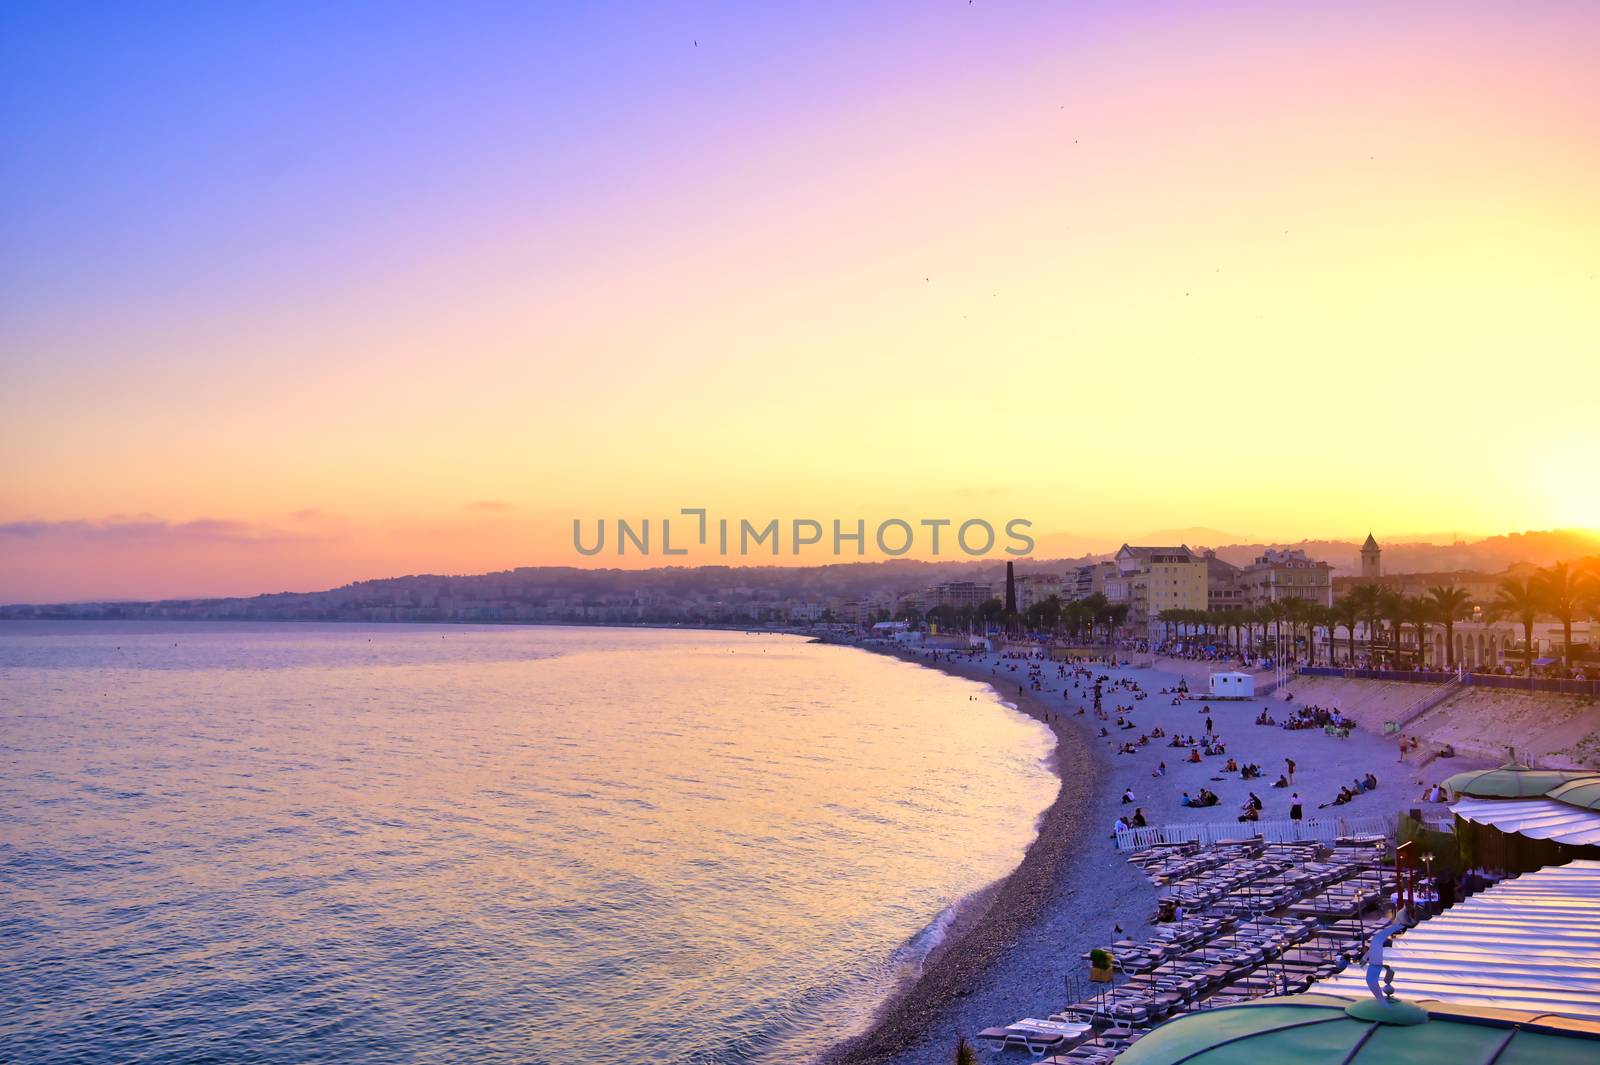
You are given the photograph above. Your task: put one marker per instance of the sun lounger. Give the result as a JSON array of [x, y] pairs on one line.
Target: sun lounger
[[1037, 1036]]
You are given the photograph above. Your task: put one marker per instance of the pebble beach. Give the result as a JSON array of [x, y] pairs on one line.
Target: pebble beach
[[1012, 946]]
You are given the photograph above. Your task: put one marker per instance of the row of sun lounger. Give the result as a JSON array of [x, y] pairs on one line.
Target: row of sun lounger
[[1228, 948]]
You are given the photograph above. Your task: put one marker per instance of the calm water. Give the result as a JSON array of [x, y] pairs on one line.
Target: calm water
[[393, 843]]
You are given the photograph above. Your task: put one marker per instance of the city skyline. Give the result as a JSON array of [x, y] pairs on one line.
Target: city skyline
[[295, 298]]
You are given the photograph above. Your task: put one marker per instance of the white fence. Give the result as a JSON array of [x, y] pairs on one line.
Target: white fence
[[1322, 829]]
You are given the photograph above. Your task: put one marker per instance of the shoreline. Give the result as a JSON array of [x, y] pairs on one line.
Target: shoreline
[[1015, 949], [990, 921]]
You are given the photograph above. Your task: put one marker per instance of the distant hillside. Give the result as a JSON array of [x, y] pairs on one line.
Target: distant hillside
[[734, 593], [1194, 534]]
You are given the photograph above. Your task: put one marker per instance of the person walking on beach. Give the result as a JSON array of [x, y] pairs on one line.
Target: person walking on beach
[[1294, 806], [1290, 763]]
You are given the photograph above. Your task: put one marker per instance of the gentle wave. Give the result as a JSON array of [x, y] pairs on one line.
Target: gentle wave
[[381, 843]]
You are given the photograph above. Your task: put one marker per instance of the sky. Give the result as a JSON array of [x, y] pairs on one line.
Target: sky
[[292, 295]]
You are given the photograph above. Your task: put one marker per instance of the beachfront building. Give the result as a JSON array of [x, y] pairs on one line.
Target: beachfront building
[[1291, 574], [805, 613], [1371, 559], [1087, 580], [1151, 580], [957, 594], [1034, 588]]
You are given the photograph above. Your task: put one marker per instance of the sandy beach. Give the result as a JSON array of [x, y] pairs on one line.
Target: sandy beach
[[1012, 945]]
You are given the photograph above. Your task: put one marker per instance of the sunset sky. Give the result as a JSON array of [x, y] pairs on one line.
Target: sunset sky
[[295, 295]]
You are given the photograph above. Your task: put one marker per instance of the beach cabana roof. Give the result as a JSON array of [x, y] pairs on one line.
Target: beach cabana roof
[[1510, 781], [1316, 1029], [1528, 943], [1536, 819], [1584, 793]]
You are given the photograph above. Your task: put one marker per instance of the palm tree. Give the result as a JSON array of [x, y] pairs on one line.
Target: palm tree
[[1094, 608], [1078, 617], [1295, 613], [1562, 591], [1450, 605], [1167, 618], [1116, 616], [1422, 614], [1346, 612], [1521, 600], [1327, 618], [1275, 612], [1396, 610], [1369, 602]]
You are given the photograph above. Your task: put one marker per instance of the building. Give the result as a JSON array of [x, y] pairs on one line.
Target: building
[[958, 594], [1371, 559], [1087, 580], [1280, 575], [1224, 584], [1151, 580], [1481, 587], [1035, 588]]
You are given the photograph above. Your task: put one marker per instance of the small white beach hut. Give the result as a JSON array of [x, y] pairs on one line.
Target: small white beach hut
[[1232, 685]]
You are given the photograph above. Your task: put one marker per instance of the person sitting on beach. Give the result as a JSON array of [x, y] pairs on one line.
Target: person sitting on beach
[[1194, 755], [1138, 818], [1370, 782], [1231, 767], [1281, 782], [1344, 796], [1127, 795], [1103, 731], [1250, 813], [1161, 770], [1254, 801], [1121, 826], [1187, 801]]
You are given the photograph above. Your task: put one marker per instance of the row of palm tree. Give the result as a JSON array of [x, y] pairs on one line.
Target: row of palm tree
[[1280, 623], [1091, 618], [1561, 591]]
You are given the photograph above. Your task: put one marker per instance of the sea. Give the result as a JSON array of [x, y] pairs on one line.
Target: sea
[[409, 843]]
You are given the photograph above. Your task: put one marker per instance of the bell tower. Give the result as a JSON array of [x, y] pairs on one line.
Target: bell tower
[[1371, 564]]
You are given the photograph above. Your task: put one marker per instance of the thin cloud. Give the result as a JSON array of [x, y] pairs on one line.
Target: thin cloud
[[143, 530]]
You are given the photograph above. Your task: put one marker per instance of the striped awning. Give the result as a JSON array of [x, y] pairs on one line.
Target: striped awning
[[1528, 943], [1534, 818]]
